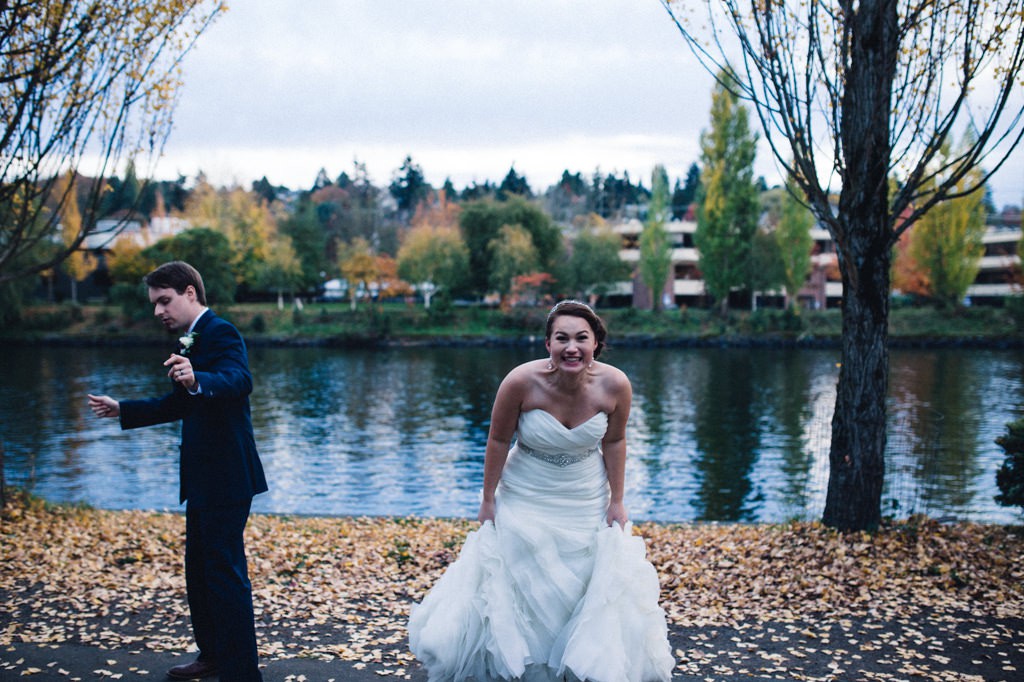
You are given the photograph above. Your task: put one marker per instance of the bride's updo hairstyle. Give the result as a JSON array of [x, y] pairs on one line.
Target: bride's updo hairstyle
[[581, 310]]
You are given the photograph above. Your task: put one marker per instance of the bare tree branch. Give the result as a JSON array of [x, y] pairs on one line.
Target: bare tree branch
[[81, 80], [868, 94]]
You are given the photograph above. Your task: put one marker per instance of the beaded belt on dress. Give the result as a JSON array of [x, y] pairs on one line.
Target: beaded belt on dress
[[562, 459]]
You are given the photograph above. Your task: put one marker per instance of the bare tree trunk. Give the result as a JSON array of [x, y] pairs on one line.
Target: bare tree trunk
[[857, 454], [864, 240]]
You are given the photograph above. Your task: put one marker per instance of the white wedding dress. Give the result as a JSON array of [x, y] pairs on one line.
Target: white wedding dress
[[547, 591]]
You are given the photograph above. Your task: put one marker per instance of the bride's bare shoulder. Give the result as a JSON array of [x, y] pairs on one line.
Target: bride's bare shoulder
[[525, 374], [613, 378]]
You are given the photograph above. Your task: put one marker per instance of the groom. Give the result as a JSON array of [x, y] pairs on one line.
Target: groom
[[219, 469]]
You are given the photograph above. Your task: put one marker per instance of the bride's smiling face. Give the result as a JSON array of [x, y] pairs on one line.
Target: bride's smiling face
[[571, 344]]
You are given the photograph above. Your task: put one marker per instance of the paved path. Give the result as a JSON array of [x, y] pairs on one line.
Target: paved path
[[967, 649]]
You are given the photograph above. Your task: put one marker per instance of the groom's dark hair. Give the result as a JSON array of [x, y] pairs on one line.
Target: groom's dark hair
[[177, 275]]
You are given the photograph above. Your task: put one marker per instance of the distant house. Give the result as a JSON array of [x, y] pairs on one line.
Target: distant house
[[107, 229], [143, 233], [100, 242], [999, 275]]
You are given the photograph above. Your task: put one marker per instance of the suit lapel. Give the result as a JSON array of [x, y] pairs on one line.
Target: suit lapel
[[201, 324]]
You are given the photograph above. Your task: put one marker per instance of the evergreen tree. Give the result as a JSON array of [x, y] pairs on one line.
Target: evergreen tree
[[597, 202], [409, 187], [686, 194], [264, 189], [450, 194], [514, 184], [476, 191], [322, 180], [124, 193], [727, 206], [567, 199]]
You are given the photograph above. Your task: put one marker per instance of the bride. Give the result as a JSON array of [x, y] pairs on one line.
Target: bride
[[553, 585]]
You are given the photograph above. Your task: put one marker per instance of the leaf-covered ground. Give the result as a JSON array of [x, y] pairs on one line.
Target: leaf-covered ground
[[917, 600]]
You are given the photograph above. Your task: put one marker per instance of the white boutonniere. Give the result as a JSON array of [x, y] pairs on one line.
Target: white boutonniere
[[186, 342]]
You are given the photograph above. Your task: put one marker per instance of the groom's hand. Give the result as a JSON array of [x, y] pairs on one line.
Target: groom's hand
[[104, 406], [179, 369]]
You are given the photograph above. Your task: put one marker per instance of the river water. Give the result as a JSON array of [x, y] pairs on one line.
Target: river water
[[715, 434]]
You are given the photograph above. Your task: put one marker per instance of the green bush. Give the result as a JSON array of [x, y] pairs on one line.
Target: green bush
[[1010, 477], [527, 320], [441, 310], [258, 324], [133, 299], [50, 321], [1015, 309], [103, 316], [74, 310], [380, 324], [768, 320]]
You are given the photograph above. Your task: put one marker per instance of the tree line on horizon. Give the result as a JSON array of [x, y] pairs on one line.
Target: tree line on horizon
[[497, 238], [502, 238]]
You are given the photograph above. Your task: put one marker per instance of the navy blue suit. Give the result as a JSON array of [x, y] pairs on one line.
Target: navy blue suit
[[220, 472]]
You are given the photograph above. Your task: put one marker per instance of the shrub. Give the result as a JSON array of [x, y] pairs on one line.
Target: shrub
[[524, 319], [441, 310], [258, 324], [771, 320], [1015, 309], [103, 316], [74, 311], [132, 298], [1010, 477]]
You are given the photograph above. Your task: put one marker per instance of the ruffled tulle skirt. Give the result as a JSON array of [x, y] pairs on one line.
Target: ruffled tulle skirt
[[542, 596]]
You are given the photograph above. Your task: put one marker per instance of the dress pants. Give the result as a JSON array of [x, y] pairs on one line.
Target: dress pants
[[219, 591]]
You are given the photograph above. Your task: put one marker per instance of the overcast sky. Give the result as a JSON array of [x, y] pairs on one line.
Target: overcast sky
[[468, 88]]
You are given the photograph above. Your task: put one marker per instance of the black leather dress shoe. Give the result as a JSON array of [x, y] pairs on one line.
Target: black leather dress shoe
[[193, 671]]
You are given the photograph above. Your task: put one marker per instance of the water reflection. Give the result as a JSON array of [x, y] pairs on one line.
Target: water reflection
[[727, 434], [939, 414], [715, 435]]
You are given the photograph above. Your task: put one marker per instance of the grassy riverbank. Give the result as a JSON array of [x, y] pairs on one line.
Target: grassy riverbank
[[916, 600], [337, 324]]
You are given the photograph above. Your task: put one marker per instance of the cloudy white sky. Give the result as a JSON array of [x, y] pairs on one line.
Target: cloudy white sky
[[468, 88]]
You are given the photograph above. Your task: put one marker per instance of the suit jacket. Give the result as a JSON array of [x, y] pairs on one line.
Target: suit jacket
[[219, 464]]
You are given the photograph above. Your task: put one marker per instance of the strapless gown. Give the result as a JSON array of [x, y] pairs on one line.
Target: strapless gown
[[547, 591]]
